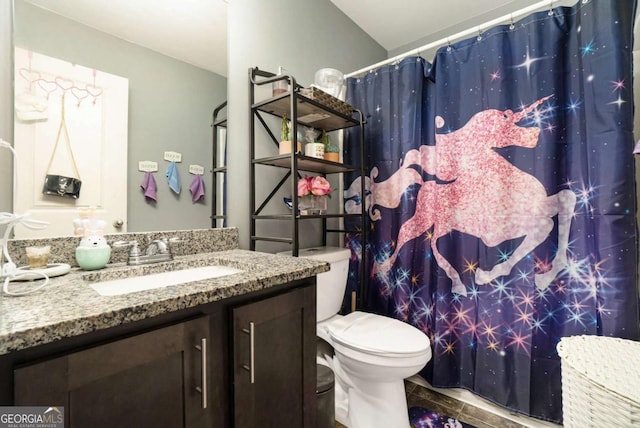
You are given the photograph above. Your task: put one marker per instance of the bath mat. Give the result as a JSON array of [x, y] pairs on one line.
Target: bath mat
[[425, 418]]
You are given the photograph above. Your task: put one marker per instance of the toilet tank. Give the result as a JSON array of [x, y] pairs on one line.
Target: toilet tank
[[330, 285]]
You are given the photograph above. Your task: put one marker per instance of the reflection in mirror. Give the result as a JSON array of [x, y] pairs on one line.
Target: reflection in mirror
[[170, 104], [54, 100], [219, 205]]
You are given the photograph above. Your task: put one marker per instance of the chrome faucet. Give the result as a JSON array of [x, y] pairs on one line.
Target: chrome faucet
[[158, 251]]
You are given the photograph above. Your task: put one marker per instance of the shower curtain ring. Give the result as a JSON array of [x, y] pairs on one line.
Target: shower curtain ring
[[512, 25], [479, 34], [448, 45], [550, 8]]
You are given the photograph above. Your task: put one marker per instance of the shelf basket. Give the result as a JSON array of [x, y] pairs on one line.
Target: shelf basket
[[327, 100], [600, 381]]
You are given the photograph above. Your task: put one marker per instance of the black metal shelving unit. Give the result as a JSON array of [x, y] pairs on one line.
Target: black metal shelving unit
[[217, 168], [307, 112]]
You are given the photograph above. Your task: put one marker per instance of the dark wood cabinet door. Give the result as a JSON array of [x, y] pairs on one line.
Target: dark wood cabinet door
[[148, 380], [274, 361]]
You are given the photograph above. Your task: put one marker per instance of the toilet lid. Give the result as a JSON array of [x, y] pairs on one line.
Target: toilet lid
[[377, 334]]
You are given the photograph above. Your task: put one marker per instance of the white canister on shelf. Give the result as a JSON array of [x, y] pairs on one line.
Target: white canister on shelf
[[314, 150]]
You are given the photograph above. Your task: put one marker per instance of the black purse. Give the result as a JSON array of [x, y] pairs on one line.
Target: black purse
[[60, 185]]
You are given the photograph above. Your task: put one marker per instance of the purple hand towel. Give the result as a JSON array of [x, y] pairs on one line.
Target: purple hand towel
[[197, 188], [149, 186]]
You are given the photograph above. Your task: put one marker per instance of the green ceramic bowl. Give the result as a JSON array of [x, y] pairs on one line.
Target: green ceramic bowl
[[92, 258]]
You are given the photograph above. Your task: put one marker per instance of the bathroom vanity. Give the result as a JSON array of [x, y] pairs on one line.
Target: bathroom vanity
[[233, 351]]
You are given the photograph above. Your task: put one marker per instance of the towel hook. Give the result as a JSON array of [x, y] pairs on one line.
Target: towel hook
[[93, 90]]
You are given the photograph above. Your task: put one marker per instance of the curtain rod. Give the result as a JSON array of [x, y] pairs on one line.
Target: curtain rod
[[474, 30]]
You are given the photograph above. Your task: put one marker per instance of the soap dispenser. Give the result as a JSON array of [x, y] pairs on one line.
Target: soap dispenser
[[93, 251]]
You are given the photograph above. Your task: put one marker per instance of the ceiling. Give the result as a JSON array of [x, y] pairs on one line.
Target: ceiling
[[195, 31], [406, 21]]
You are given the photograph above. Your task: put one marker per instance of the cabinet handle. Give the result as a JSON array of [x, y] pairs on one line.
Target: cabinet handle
[[251, 367], [203, 390]]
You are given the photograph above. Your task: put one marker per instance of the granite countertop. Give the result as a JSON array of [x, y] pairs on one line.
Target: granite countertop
[[68, 306]]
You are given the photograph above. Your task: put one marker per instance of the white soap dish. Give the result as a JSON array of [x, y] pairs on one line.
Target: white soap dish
[[26, 273]]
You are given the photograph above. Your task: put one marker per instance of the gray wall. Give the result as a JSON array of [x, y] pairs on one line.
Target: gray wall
[[6, 104], [302, 36], [170, 108], [478, 20]]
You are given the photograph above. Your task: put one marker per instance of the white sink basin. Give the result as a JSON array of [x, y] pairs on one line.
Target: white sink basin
[[157, 280]]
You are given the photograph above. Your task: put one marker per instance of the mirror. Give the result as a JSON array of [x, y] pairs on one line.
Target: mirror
[[219, 176], [170, 108]]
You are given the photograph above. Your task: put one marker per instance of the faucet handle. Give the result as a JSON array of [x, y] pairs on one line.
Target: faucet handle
[[170, 241], [133, 245], [161, 245]]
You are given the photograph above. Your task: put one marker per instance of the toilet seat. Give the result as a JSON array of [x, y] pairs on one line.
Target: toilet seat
[[378, 335]]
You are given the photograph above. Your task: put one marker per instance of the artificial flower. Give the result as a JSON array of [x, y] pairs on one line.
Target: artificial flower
[[320, 186], [304, 187], [316, 186]]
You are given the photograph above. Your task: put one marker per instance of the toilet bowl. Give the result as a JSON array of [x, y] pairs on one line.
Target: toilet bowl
[[372, 354]]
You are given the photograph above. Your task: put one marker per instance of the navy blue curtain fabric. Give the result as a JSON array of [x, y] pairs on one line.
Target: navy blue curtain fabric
[[396, 103], [501, 198]]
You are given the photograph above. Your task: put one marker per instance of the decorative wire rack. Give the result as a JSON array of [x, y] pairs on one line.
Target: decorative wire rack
[[600, 382], [326, 99]]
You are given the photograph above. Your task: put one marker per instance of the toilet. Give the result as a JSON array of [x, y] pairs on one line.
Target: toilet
[[370, 354]]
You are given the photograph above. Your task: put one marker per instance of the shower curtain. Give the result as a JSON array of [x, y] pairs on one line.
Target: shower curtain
[[500, 199]]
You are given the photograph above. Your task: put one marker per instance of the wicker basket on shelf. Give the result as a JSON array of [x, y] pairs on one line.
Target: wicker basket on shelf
[[600, 382], [327, 100]]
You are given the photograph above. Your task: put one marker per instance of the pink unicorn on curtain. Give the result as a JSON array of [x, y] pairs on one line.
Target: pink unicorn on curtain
[[484, 195]]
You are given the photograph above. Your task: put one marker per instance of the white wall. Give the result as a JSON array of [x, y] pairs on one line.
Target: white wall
[[6, 103], [302, 36]]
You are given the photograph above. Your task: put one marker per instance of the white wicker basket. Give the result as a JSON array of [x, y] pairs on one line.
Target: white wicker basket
[[600, 382]]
